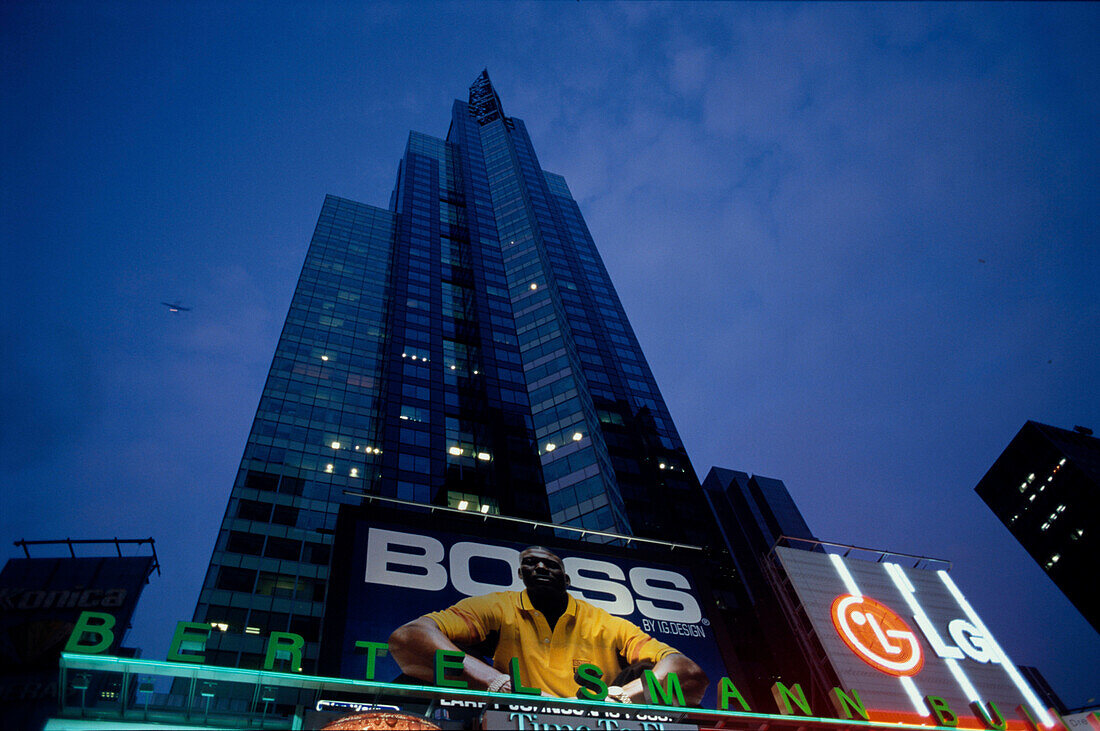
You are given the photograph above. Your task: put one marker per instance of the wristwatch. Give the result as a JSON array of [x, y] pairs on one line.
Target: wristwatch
[[617, 694]]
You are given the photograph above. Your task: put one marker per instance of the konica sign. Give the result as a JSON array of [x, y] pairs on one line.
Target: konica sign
[[901, 634], [397, 574]]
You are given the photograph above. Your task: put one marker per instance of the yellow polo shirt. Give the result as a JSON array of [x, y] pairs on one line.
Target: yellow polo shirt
[[547, 660]]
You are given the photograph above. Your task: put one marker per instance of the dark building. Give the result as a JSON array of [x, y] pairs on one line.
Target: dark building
[[463, 348], [1045, 488], [753, 514], [41, 600], [1043, 688]]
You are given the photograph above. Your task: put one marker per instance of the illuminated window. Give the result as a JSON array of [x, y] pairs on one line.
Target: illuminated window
[[456, 451], [471, 502], [484, 457]]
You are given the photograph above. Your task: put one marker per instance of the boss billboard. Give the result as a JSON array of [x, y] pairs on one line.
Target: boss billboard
[[438, 606], [908, 640]]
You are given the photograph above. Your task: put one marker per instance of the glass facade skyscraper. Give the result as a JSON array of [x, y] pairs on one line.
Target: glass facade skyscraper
[[463, 348]]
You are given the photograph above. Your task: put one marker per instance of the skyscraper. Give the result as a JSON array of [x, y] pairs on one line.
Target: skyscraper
[[463, 348], [1045, 488], [753, 514]]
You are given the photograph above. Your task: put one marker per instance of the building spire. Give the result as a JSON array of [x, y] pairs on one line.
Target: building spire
[[484, 102]]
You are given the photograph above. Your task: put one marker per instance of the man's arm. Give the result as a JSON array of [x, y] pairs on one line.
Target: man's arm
[[693, 681], [413, 647]]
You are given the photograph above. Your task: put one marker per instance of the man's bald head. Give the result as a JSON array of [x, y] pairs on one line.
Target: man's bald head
[[542, 571]]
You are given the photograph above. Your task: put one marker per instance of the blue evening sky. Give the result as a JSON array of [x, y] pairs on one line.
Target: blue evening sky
[[857, 243]]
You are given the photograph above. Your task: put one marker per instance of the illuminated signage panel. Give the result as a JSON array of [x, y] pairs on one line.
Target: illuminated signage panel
[[394, 574], [900, 634]]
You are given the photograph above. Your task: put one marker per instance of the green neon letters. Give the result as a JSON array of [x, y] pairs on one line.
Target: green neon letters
[[846, 703], [448, 660], [941, 711], [784, 696], [189, 636], [94, 633], [666, 695], [517, 681], [590, 678], [282, 645], [374, 650], [97, 624], [991, 718], [727, 690]]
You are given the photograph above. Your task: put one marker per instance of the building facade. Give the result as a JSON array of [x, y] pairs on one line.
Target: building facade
[[463, 348], [1045, 488], [753, 513]]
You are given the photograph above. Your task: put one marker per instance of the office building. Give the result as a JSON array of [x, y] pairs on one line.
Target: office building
[[753, 513], [463, 348], [1045, 488]]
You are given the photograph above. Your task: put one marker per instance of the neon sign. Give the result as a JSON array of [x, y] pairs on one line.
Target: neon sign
[[877, 635]]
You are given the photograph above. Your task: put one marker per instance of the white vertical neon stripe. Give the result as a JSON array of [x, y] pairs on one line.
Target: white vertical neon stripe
[[908, 593], [1008, 665], [850, 584], [900, 579], [963, 681], [845, 575], [914, 696]]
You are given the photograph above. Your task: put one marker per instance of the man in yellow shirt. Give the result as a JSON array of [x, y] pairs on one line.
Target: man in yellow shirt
[[551, 632]]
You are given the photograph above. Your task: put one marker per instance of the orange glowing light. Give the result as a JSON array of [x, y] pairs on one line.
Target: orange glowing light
[[877, 635]]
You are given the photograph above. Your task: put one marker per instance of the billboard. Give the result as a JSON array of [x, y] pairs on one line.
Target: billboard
[[621, 612], [40, 601], [900, 635]]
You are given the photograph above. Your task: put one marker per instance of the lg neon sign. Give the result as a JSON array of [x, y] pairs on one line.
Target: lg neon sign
[[877, 635], [883, 640]]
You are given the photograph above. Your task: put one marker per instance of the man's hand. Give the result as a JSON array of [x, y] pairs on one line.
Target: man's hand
[[693, 681], [413, 647]]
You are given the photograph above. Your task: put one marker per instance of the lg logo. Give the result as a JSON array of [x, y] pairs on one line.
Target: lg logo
[[883, 640], [877, 635]]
